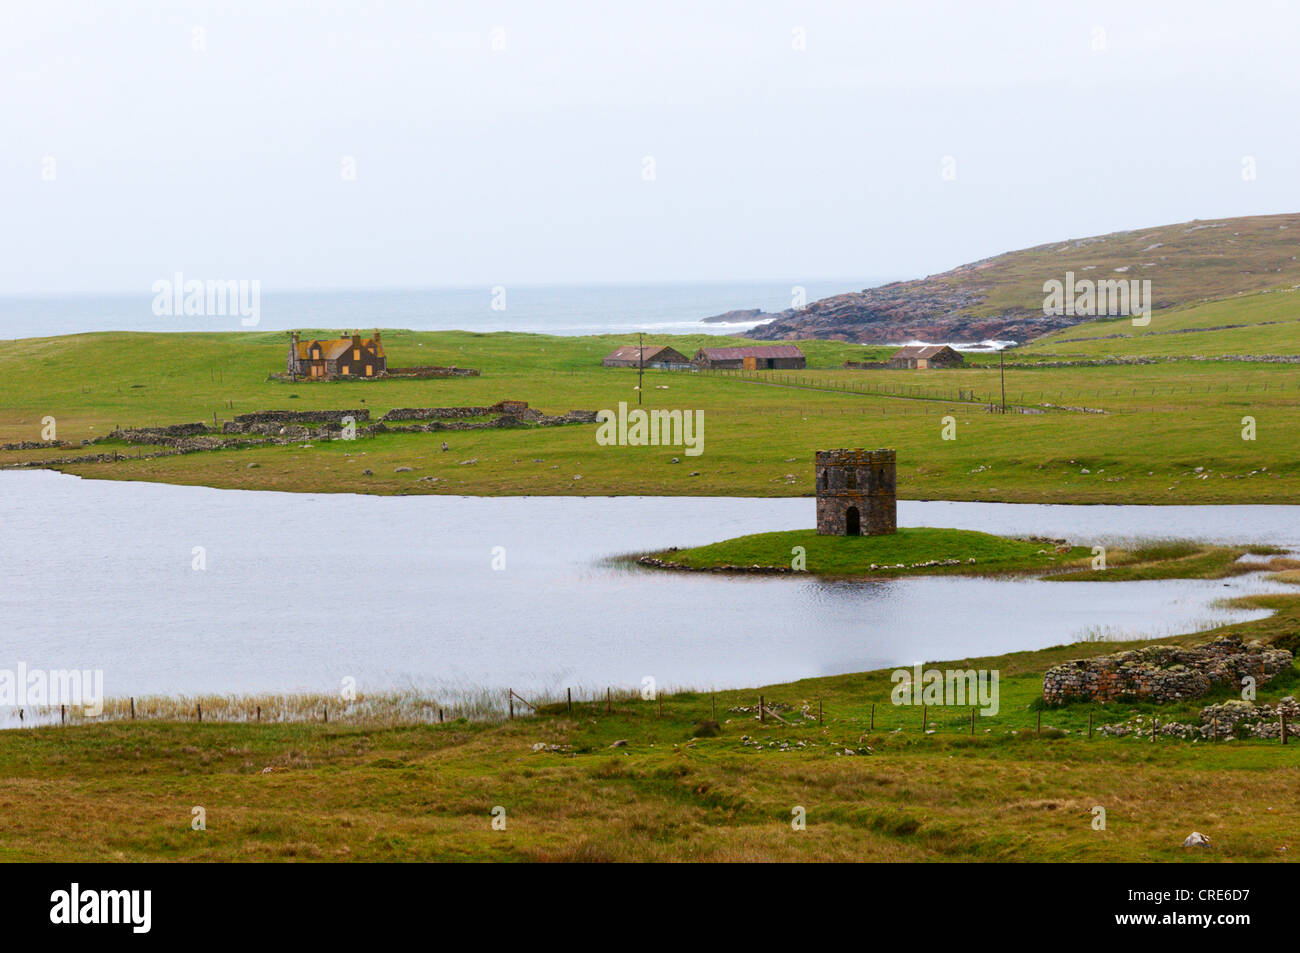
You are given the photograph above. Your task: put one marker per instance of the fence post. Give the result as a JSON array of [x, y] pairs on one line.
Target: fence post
[[1089, 724], [873, 716], [923, 717], [133, 708], [199, 706], [510, 696], [1282, 713], [63, 714], [761, 713], [972, 722], [569, 696]]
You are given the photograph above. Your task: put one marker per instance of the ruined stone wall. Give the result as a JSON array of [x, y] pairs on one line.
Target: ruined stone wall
[[302, 416], [436, 413], [1163, 673], [432, 371]]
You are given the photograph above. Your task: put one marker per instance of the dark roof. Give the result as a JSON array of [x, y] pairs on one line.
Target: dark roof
[[920, 350], [738, 353], [628, 352]]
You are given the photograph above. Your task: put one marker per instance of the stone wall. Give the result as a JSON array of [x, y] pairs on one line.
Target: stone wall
[[432, 371], [1226, 722], [436, 413], [173, 434], [1163, 673], [302, 417]]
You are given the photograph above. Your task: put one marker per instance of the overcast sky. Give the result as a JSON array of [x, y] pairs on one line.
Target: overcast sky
[[511, 142]]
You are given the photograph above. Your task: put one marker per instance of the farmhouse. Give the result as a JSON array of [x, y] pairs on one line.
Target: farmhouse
[[923, 356], [331, 358], [780, 356], [660, 357]]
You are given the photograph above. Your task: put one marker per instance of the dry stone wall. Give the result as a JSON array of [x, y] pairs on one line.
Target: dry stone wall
[[1163, 673]]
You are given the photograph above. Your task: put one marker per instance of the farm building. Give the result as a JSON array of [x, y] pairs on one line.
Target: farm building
[[327, 359], [660, 356], [779, 356], [923, 356]]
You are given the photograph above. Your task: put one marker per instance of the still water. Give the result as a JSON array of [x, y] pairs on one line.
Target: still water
[[300, 591]]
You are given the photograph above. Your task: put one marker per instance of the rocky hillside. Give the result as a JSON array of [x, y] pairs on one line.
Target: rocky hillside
[[1002, 297]]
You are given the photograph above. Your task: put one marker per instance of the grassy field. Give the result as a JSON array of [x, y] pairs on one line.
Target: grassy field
[[1263, 323], [875, 783], [1170, 432]]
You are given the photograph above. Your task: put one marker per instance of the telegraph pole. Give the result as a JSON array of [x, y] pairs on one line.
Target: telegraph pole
[[1002, 372], [640, 364]]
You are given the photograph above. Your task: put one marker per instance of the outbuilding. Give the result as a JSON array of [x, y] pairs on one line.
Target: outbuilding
[[658, 357], [919, 357], [775, 357]]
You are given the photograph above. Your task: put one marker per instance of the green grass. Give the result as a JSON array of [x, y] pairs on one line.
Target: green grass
[[881, 555], [1161, 422], [1261, 323]]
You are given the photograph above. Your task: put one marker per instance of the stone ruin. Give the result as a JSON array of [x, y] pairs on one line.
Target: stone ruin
[[856, 492], [1225, 722], [1163, 673]]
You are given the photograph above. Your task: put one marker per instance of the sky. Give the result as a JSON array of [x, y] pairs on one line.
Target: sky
[[372, 145]]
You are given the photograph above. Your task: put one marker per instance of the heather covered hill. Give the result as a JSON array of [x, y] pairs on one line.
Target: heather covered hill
[[1002, 297]]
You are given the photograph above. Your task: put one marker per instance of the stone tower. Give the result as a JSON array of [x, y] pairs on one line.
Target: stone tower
[[856, 492]]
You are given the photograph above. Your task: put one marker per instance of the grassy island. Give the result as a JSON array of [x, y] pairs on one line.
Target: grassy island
[[931, 551]]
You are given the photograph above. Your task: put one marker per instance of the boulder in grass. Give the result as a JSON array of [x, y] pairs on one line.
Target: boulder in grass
[[1196, 839]]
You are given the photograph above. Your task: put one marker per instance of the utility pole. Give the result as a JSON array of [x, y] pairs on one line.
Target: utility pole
[[1002, 372], [640, 364]]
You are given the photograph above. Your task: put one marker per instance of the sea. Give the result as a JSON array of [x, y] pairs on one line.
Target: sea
[[670, 308]]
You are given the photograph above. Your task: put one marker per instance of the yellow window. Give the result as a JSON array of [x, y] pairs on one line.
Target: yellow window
[[370, 370], [356, 355], [346, 369]]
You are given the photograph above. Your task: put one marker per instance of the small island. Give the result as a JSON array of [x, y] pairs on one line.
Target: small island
[[913, 551], [909, 551]]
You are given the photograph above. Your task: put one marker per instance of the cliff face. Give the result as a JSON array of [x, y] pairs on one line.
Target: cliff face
[[1002, 297]]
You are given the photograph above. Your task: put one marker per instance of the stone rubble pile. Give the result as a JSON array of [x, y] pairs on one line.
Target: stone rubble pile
[[1223, 722]]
